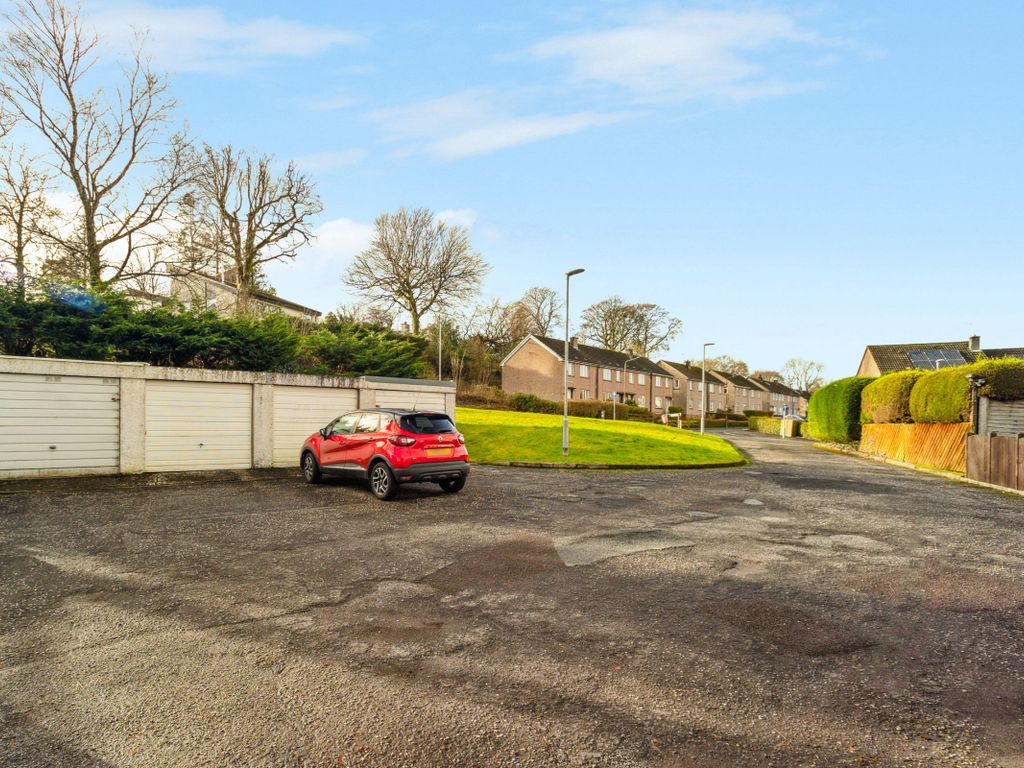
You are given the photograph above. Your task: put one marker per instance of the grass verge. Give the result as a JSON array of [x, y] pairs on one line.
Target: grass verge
[[500, 436]]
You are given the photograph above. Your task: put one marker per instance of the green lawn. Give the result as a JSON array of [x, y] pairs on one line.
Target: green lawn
[[495, 436]]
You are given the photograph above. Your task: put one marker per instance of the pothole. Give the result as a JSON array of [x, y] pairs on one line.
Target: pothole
[[584, 550]]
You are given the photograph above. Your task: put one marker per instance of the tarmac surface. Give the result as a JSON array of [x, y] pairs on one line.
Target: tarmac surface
[[810, 609]]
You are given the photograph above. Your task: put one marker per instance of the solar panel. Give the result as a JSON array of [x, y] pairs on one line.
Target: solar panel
[[931, 359]]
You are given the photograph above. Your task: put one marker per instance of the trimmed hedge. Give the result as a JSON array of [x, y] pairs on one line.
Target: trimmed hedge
[[757, 413], [944, 396], [886, 400], [592, 409], [834, 410], [520, 401], [766, 424]]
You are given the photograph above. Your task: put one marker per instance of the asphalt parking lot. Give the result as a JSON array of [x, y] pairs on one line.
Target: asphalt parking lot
[[808, 610]]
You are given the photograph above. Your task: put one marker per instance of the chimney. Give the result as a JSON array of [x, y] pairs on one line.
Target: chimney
[[975, 342], [574, 341]]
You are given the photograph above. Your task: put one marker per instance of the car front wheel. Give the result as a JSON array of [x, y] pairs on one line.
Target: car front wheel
[[382, 481], [310, 469], [453, 486]]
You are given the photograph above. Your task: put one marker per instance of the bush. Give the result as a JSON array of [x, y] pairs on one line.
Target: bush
[[520, 401], [592, 409], [766, 424], [1004, 377], [942, 396], [887, 399], [834, 410], [757, 413]]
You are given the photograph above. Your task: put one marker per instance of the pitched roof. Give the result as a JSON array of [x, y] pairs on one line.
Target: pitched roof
[[895, 357], [735, 378], [597, 356], [1004, 352], [687, 370], [228, 281], [775, 386]]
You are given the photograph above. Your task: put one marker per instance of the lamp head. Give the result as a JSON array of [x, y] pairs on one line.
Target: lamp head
[[572, 272]]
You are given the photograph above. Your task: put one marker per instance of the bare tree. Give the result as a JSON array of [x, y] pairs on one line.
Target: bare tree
[[365, 314], [24, 211], [727, 364], [244, 216], [124, 169], [804, 375], [643, 329], [417, 263], [543, 309]]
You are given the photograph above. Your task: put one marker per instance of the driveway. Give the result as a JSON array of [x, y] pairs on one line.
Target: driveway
[[808, 610]]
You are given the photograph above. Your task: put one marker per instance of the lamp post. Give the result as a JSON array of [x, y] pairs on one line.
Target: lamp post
[[565, 368], [623, 385], [704, 384], [439, 321]]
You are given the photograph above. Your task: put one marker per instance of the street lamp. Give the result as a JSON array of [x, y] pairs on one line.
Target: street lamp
[[623, 385], [704, 384], [565, 368]]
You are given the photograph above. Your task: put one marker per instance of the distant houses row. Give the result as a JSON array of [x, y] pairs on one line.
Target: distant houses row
[[535, 367]]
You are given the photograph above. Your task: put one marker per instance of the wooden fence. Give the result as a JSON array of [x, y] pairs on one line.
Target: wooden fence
[[996, 459], [938, 446]]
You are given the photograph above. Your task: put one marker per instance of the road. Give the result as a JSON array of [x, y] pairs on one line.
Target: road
[[811, 609]]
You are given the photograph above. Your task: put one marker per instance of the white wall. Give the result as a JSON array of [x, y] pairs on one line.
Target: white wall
[[41, 436]]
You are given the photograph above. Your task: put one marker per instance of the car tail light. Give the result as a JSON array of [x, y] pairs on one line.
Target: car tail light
[[462, 439], [403, 440]]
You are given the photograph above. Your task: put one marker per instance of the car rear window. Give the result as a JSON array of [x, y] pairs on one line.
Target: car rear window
[[427, 424]]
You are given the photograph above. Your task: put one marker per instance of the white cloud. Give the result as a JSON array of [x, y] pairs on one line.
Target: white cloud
[[682, 55], [326, 162], [341, 239], [460, 217], [200, 38], [470, 123]]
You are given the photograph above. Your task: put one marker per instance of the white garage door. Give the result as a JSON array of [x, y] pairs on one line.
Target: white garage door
[[58, 422], [1005, 418], [413, 400], [197, 425], [301, 411]]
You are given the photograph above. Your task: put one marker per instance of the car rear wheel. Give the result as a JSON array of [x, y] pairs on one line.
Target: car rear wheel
[[453, 486], [310, 469], [382, 481]]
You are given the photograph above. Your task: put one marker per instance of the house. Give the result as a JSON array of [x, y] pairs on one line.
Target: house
[[202, 291], [689, 386], [535, 367], [743, 393], [879, 359], [780, 399]]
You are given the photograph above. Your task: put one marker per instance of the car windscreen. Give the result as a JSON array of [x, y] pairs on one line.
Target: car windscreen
[[427, 424]]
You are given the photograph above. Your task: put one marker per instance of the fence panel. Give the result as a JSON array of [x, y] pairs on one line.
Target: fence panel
[[938, 446], [998, 460]]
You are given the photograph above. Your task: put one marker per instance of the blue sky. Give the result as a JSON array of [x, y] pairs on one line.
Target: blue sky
[[789, 179]]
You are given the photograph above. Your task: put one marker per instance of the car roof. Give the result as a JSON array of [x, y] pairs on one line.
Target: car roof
[[395, 411]]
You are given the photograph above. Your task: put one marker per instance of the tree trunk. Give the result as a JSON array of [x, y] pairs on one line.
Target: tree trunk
[[415, 322]]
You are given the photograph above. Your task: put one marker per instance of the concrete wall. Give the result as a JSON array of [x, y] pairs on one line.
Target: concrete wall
[[132, 379]]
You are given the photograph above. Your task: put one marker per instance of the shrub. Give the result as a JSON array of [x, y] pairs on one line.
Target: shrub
[[766, 424], [886, 400], [942, 396], [520, 401], [1004, 377], [834, 410], [757, 413]]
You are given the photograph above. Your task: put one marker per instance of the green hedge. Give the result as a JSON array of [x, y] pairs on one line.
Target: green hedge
[[834, 410], [757, 413], [944, 396], [520, 401], [886, 400], [766, 424]]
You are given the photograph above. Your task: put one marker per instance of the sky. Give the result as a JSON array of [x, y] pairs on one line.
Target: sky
[[789, 179]]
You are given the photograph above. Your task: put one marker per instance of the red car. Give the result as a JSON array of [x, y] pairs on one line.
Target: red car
[[388, 446]]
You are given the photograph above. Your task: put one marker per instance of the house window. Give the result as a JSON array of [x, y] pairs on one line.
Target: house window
[[606, 374], [657, 381], [675, 383], [641, 378], [641, 400], [630, 377], [691, 386], [618, 375], [700, 386], [584, 370], [657, 402], [584, 394], [568, 367]]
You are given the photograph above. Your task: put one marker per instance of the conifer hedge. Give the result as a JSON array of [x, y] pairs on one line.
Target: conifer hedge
[[834, 410]]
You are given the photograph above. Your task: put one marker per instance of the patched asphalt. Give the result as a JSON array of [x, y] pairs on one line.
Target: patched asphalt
[[811, 609]]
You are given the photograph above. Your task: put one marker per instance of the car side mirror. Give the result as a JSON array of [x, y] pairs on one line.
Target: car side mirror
[[323, 432]]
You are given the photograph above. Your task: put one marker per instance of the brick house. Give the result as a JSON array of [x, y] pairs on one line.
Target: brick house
[[689, 388], [879, 359], [743, 393], [535, 367], [781, 399]]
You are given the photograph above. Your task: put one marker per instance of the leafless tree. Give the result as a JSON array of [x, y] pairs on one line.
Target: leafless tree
[[116, 154], [643, 329], [24, 211], [363, 313], [543, 308], [417, 263], [245, 216], [804, 375], [727, 364]]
